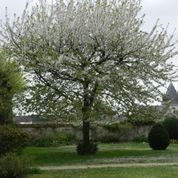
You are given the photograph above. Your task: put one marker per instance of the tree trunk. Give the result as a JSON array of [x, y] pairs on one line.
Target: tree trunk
[[86, 123], [86, 115], [86, 132], [88, 99]]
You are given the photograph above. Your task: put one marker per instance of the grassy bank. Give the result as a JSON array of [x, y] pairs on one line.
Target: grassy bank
[[108, 153], [132, 172]]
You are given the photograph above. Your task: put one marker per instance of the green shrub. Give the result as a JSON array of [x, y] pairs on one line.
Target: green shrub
[[141, 122], [12, 166], [141, 138], [158, 137], [64, 138], [117, 126], [61, 138], [171, 125], [109, 139], [87, 149], [12, 139], [43, 141]]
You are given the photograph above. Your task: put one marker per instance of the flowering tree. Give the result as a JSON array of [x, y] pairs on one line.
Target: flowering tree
[[87, 54]]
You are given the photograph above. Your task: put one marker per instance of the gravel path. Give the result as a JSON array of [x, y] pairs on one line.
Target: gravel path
[[45, 168]]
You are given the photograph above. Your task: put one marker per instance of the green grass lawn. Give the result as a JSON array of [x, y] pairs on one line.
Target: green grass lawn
[[108, 153], [132, 172]]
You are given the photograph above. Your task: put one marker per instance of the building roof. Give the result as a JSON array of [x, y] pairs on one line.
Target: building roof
[[26, 119], [172, 95]]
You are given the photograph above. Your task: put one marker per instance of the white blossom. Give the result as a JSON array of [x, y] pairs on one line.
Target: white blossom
[[97, 43]]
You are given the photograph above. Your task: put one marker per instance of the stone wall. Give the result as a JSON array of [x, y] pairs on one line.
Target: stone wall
[[98, 133]]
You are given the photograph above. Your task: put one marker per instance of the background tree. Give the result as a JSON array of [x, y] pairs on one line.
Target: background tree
[[11, 83], [84, 53], [146, 115]]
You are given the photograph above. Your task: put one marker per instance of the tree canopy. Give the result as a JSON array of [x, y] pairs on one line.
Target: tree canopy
[[11, 83], [83, 54]]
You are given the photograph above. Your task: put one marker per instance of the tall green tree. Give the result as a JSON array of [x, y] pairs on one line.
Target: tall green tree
[[87, 54], [11, 83]]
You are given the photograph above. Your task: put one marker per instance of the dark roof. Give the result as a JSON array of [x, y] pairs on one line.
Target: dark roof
[[32, 118], [172, 95]]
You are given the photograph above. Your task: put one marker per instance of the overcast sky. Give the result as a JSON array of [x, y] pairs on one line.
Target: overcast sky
[[165, 10]]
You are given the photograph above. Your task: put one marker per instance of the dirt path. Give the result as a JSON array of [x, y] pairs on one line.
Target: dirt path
[[44, 168]]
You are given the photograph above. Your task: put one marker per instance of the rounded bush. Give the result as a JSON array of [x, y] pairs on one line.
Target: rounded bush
[[171, 125], [83, 149], [158, 137], [12, 139]]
